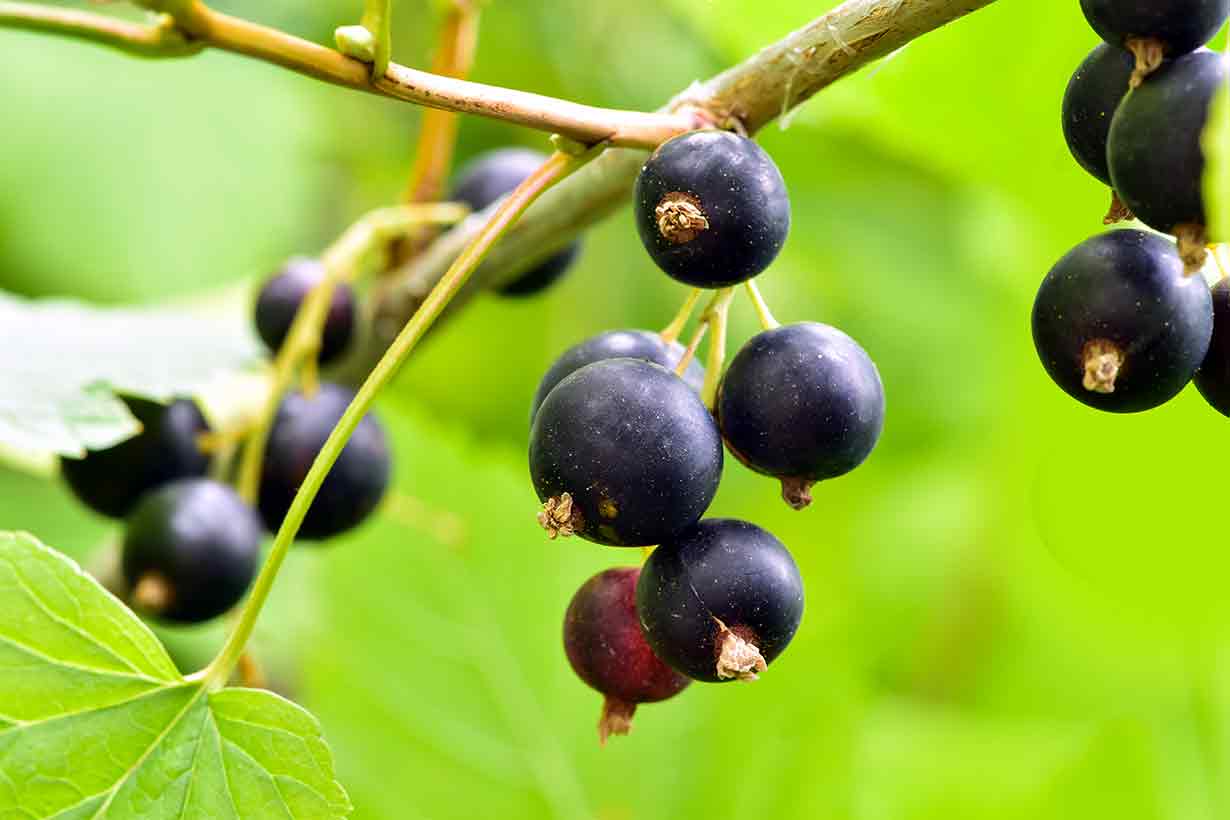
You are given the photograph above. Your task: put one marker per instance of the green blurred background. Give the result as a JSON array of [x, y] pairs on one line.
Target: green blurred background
[[1016, 608]]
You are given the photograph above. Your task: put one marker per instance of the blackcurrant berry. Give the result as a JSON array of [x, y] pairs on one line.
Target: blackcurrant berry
[[1089, 103], [355, 483], [111, 481], [489, 177], [720, 601], [607, 650], [281, 296], [624, 453], [1213, 377], [617, 344], [802, 403], [1156, 162], [190, 550], [1179, 25], [1118, 325], [711, 208]]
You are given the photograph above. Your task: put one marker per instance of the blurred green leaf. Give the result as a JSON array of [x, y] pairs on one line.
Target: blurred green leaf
[[1216, 143], [62, 362], [96, 722]]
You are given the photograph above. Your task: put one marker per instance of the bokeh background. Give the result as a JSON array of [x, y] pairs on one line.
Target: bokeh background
[[1016, 607]]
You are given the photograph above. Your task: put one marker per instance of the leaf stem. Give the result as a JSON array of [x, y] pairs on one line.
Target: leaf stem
[[341, 262], [554, 169], [762, 308], [376, 19], [671, 332], [716, 315]]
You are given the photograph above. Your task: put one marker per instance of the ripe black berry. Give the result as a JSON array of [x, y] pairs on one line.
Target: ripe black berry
[[489, 177], [1156, 162], [802, 403], [281, 296], [190, 550], [607, 650], [355, 483], [1179, 25], [720, 601], [1118, 325], [711, 208], [617, 344], [111, 481], [1213, 378], [623, 453], [1089, 103]]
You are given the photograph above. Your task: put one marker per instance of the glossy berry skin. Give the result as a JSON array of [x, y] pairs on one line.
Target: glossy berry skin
[[617, 344], [1117, 324], [803, 403], [1180, 25], [1156, 162], [634, 448], [607, 650], [718, 578], [111, 481], [489, 177], [711, 208], [356, 482], [199, 542], [1089, 104], [284, 292], [1213, 377]]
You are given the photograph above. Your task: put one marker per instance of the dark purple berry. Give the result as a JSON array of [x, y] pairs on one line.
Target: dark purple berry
[[618, 344], [356, 482], [190, 550], [1117, 323], [1156, 161], [281, 296], [1179, 25], [1093, 94], [1213, 377], [711, 208], [622, 452], [802, 403], [720, 601], [607, 650], [111, 481], [489, 177]]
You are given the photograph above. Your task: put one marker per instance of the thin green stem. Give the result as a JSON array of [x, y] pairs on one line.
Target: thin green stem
[[702, 328], [762, 308], [671, 332], [716, 315], [161, 39], [376, 19], [554, 169], [342, 262]]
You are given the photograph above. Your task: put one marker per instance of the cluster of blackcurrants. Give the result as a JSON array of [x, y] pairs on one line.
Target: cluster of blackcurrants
[[191, 545], [624, 452], [1120, 322]]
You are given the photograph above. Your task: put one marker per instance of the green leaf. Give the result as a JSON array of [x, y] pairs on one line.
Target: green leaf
[[1216, 144], [97, 722], [61, 364]]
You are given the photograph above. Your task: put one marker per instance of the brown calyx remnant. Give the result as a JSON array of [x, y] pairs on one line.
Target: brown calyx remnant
[[560, 517], [1118, 211], [797, 492], [1102, 360], [1193, 246], [616, 718], [680, 217], [738, 657], [153, 593], [1149, 54]]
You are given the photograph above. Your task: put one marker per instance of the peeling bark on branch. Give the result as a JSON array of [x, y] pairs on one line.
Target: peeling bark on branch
[[755, 92]]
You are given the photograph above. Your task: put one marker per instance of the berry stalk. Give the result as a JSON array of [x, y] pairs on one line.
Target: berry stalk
[[716, 316], [553, 170]]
